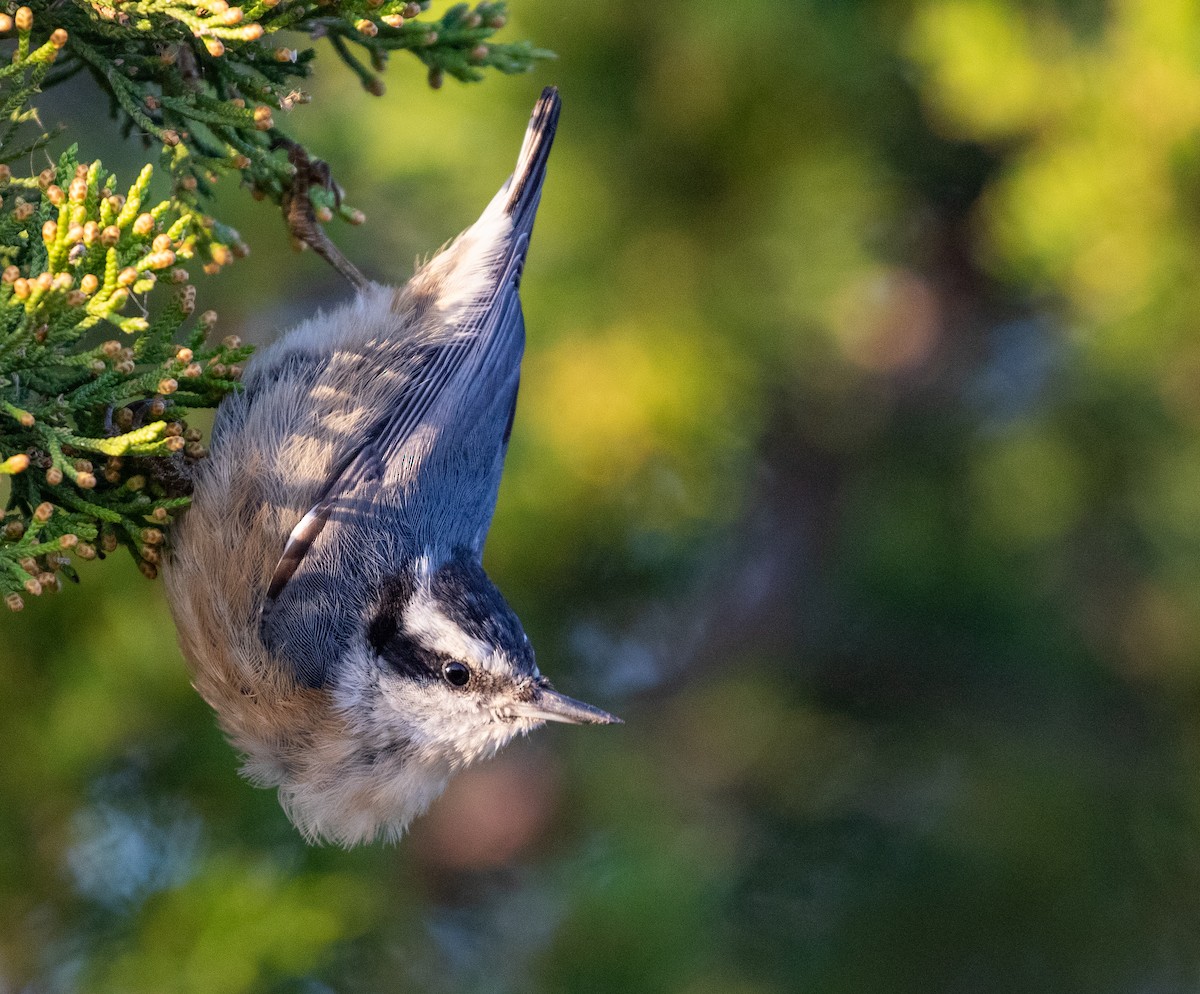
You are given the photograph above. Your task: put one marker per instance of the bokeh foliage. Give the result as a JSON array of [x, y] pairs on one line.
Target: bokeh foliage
[[856, 466]]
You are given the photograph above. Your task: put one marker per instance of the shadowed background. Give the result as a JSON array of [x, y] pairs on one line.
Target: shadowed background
[[857, 466]]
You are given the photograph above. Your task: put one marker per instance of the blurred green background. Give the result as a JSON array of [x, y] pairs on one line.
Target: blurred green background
[[857, 467]]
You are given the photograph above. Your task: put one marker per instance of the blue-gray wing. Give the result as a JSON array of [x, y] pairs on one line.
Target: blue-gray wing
[[425, 473], [462, 394]]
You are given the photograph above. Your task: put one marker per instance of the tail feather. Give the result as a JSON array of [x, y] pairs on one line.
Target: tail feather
[[525, 187]]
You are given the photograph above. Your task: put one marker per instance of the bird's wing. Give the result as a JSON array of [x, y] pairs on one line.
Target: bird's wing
[[459, 395], [428, 469], [451, 386]]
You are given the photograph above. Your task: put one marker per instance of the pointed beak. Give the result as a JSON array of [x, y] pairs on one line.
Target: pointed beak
[[547, 704]]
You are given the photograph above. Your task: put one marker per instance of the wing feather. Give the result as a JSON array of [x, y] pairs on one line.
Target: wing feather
[[460, 374], [461, 386]]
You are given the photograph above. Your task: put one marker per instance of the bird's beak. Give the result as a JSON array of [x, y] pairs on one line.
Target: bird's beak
[[547, 704]]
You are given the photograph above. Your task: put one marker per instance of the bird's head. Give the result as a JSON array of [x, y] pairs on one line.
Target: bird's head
[[451, 672]]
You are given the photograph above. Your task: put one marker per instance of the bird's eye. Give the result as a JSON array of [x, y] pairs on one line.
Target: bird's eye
[[456, 674]]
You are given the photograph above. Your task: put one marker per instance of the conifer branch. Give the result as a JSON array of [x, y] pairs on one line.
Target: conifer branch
[[94, 443]]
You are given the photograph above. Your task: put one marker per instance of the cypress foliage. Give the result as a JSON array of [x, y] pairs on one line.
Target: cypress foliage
[[101, 354]]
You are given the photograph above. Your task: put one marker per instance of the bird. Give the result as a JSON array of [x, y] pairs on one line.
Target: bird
[[327, 581]]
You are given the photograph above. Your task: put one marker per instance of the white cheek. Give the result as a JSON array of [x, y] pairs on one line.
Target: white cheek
[[444, 723]]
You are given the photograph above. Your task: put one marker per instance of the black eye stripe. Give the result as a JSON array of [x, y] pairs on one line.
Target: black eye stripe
[[381, 631], [409, 658], [404, 654]]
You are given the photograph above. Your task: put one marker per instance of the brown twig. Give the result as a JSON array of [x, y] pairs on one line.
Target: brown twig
[[301, 220]]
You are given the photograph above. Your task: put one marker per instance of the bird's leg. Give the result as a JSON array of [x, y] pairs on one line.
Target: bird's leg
[[302, 222]]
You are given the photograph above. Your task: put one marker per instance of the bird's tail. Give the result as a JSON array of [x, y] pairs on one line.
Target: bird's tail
[[524, 189]]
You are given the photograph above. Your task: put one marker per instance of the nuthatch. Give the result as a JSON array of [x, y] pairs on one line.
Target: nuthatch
[[327, 582]]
